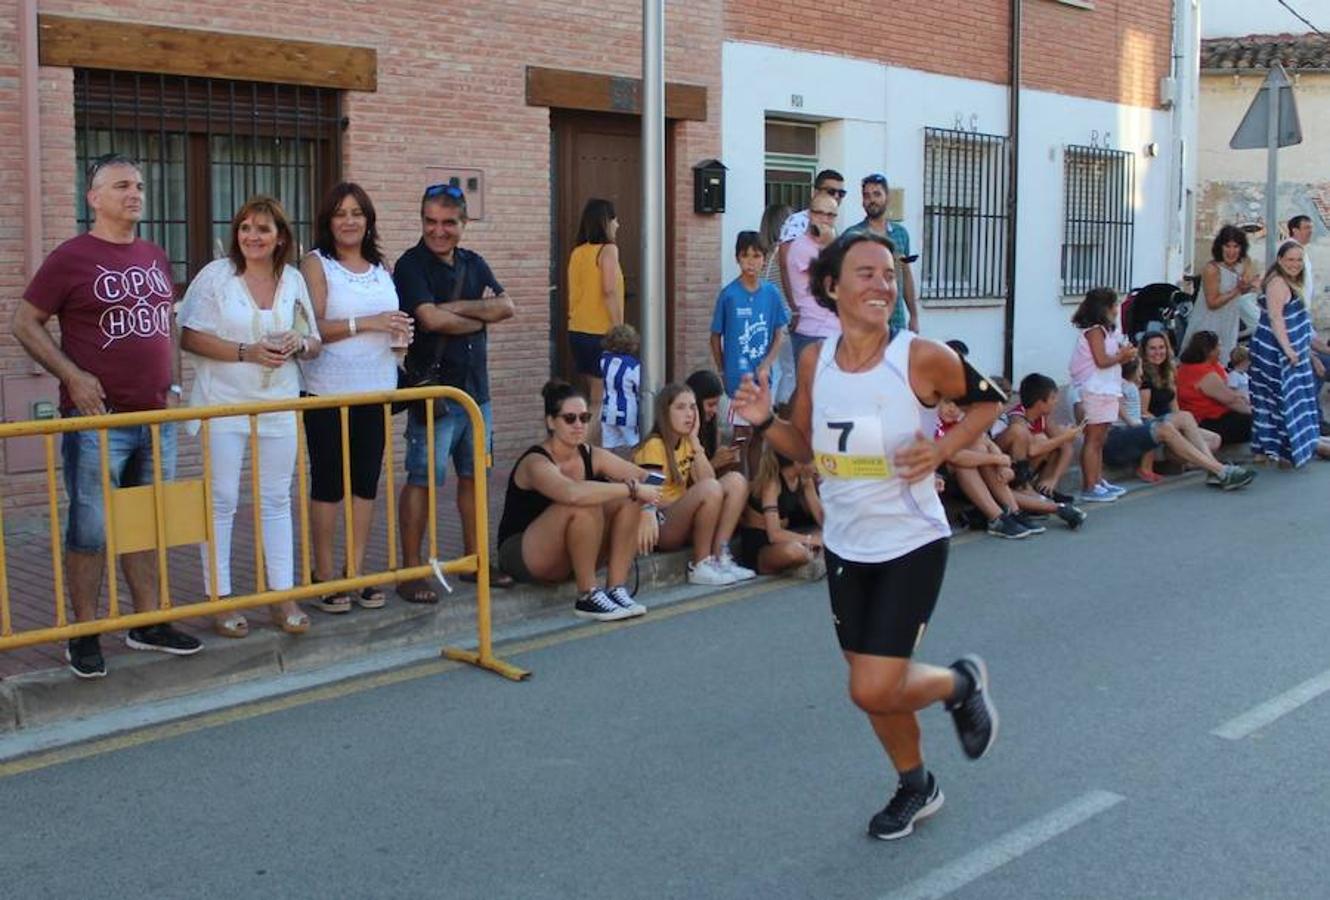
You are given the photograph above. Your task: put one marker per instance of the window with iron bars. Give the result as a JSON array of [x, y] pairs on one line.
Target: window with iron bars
[[967, 196], [1099, 219], [206, 146], [791, 163]]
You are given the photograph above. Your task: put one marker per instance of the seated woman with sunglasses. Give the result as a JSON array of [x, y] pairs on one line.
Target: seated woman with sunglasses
[[569, 505]]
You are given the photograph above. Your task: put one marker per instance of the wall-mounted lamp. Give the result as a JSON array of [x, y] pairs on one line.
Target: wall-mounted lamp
[[1152, 148]]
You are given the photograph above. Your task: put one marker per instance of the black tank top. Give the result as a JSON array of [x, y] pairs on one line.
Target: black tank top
[[521, 507], [789, 506]]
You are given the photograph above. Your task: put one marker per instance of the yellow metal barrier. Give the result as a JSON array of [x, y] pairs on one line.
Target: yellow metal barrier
[[169, 514]]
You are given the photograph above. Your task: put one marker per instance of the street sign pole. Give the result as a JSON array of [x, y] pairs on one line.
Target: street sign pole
[[1271, 168], [1271, 122]]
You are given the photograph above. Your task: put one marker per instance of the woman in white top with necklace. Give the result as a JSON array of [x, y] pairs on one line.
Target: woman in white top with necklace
[[247, 319], [355, 305], [863, 403]]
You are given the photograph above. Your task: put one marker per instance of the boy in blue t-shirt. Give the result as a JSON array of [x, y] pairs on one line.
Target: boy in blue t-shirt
[[746, 326]]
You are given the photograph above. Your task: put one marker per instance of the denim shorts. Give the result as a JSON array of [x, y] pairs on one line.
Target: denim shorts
[[129, 455], [452, 438]]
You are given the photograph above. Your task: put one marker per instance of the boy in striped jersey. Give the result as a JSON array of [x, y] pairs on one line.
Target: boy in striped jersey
[[621, 371]]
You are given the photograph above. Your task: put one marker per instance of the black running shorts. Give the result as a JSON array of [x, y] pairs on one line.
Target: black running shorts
[[882, 609]]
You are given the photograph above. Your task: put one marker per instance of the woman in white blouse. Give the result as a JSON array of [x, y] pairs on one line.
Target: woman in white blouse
[[247, 319], [355, 308]]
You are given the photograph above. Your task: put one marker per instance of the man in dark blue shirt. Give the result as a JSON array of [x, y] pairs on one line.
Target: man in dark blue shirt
[[426, 279]]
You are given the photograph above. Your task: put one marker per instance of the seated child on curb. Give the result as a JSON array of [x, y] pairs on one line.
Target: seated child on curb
[[1239, 361], [781, 527], [983, 474], [746, 327], [621, 372], [1041, 451]]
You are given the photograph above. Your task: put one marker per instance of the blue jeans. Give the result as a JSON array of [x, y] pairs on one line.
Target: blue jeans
[[129, 457], [452, 438], [798, 342]]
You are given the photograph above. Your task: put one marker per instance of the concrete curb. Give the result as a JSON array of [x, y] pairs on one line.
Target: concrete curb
[[53, 695]]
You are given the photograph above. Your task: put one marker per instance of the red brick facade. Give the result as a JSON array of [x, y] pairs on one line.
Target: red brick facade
[[1117, 51]]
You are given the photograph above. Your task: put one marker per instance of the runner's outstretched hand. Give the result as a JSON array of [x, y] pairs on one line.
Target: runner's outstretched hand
[[753, 398]]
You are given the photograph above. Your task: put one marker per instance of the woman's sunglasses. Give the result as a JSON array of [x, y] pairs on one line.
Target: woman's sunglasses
[[573, 418]]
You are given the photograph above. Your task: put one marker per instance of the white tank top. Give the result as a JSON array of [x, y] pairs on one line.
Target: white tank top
[[364, 362], [859, 422]]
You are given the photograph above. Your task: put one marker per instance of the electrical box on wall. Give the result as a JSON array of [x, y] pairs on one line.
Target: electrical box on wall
[[896, 204], [28, 397], [470, 181], [709, 186]]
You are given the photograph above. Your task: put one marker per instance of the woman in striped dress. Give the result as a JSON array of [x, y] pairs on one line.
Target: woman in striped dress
[[1285, 413]]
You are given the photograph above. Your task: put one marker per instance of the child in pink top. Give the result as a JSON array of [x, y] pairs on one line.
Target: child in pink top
[[1096, 371]]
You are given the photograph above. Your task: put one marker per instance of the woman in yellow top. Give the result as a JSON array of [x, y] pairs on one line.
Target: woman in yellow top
[[694, 504], [595, 298]]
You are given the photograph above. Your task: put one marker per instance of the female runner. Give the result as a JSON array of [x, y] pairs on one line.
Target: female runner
[[861, 409]]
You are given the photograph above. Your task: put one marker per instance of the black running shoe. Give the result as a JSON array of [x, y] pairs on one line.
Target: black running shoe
[[975, 716], [1074, 517], [596, 604], [164, 639], [1006, 526], [85, 657], [1053, 494], [906, 807], [1024, 518]]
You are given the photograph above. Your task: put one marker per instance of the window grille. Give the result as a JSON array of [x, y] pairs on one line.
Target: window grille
[[206, 146], [966, 207], [791, 163], [1099, 219]]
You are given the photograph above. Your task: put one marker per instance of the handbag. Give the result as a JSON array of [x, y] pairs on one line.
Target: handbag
[[428, 375]]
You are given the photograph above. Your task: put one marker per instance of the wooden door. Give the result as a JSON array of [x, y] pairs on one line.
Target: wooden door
[[594, 156]]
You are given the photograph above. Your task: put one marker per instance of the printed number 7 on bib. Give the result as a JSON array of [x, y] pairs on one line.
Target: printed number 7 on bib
[[851, 447]]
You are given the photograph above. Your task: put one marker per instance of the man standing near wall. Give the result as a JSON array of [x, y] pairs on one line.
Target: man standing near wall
[[1300, 229], [905, 315], [443, 287], [112, 293], [828, 182]]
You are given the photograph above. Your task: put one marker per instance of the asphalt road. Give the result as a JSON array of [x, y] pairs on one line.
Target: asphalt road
[[1161, 676]]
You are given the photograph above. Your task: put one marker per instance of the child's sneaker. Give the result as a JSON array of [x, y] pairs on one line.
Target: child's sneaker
[[1112, 488], [1028, 521], [1006, 526], [1098, 494], [708, 571], [1074, 517]]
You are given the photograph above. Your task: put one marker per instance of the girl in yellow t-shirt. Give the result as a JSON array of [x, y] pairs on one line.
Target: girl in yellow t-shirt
[[693, 503]]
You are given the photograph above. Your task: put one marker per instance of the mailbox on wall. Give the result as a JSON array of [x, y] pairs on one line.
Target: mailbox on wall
[[709, 186]]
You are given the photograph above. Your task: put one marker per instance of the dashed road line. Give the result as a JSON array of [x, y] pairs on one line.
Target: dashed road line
[[1263, 714], [1012, 845]]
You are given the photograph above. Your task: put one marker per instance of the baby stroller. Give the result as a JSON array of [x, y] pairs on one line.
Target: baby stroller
[[1159, 307]]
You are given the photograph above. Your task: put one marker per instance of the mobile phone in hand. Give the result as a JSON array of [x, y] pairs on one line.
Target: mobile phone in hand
[[654, 478]]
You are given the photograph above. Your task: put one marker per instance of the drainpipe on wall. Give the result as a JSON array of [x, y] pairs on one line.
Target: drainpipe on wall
[[1014, 129], [31, 135], [653, 207]]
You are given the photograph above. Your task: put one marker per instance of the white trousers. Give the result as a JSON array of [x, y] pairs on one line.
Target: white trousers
[[277, 462]]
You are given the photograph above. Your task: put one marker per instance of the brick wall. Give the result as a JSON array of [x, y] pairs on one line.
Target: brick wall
[[1117, 51], [451, 90]]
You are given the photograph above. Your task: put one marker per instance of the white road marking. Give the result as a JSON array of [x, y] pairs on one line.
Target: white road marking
[[1262, 715], [1013, 844]]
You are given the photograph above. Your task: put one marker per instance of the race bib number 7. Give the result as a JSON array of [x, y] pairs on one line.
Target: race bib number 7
[[852, 448]]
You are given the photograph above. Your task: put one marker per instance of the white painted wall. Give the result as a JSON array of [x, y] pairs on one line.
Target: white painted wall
[[875, 116], [1236, 18]]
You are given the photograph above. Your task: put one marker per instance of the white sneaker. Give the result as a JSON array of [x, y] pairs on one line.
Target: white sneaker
[[708, 571], [731, 565]]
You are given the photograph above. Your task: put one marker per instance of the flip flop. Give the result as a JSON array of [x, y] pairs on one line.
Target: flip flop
[[372, 598], [231, 625], [498, 578], [417, 590]]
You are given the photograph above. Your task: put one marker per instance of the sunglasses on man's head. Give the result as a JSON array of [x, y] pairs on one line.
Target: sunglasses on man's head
[[875, 178], [447, 190], [573, 418]]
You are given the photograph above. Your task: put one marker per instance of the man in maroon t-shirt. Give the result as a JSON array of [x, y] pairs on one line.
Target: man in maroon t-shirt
[[113, 295]]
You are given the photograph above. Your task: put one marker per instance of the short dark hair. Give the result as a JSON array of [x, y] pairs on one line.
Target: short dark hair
[[594, 228], [623, 338], [1229, 234], [1199, 346], [446, 194], [827, 175], [1296, 222], [323, 234], [828, 264], [749, 240], [1036, 387], [1130, 367]]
